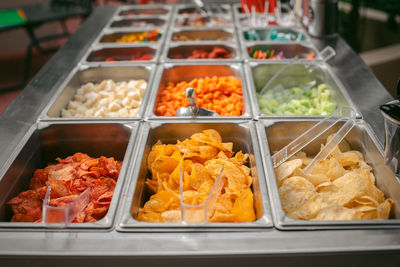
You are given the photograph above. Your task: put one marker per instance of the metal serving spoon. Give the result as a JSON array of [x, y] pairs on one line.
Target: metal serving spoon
[[193, 110]]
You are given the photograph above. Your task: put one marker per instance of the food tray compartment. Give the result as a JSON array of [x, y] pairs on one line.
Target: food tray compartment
[[111, 37], [123, 54], [217, 10], [146, 10], [295, 74], [289, 51], [186, 50], [45, 142], [96, 74], [202, 20], [243, 136], [213, 35], [280, 133], [270, 34], [241, 18], [178, 72], [151, 22]]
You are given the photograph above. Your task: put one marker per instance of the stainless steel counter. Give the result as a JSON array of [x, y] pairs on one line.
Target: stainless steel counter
[[254, 247]]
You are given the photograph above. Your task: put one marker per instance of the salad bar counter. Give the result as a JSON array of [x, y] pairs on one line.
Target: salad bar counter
[[100, 166]]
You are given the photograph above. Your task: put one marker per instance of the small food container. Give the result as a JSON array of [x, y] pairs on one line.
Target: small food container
[[205, 35], [132, 37], [214, 52], [291, 76], [44, 142], [178, 72], [243, 136], [273, 34], [97, 74], [275, 134], [115, 55], [143, 11], [280, 51], [151, 22]]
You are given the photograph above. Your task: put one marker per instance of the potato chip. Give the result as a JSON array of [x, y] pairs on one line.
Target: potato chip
[[309, 209], [341, 187], [337, 212], [294, 192], [287, 168], [201, 159], [315, 179]]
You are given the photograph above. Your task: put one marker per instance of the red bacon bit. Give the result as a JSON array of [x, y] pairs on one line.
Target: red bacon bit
[[69, 178]]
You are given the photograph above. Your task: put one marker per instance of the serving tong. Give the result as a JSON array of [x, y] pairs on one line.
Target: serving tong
[[194, 110], [62, 216], [342, 114], [200, 213]]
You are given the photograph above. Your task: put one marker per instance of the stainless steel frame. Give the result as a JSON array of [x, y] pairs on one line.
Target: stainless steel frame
[[44, 142], [321, 73], [185, 48], [186, 72], [244, 138], [273, 135], [96, 73], [103, 247]]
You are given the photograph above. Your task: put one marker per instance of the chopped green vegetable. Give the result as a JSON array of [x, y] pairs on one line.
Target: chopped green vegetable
[[294, 101]]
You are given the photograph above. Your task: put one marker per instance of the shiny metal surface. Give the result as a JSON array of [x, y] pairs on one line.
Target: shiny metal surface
[[244, 138], [364, 89], [45, 142], [186, 50], [201, 35], [241, 18], [292, 51], [111, 37], [177, 72], [273, 135], [211, 9], [218, 13], [139, 22], [122, 54], [143, 11], [263, 246], [264, 32], [258, 74], [96, 74]]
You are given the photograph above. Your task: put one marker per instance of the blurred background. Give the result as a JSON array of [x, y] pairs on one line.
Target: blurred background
[[370, 27]]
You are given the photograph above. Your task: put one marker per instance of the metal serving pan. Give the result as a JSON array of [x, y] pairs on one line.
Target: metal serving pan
[[273, 135], [290, 51], [177, 72], [110, 37], [186, 49], [243, 136], [147, 22], [264, 32], [296, 73], [44, 142], [241, 18], [122, 54], [95, 74], [203, 35], [213, 9], [185, 13], [144, 10]]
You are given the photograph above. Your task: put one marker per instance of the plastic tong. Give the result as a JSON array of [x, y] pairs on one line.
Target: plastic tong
[[200, 213], [342, 114], [63, 216]]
